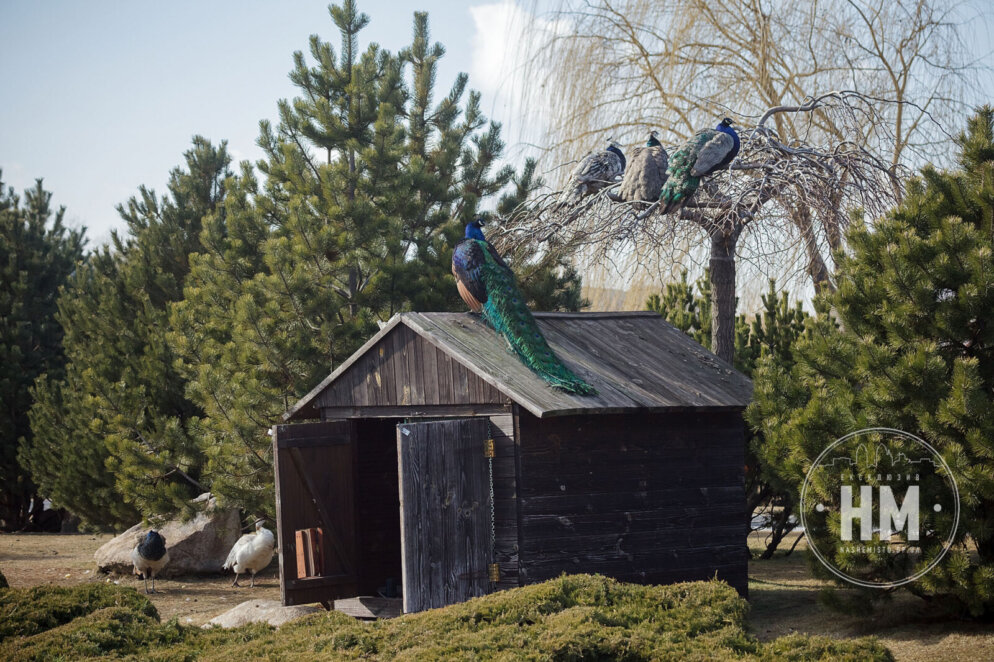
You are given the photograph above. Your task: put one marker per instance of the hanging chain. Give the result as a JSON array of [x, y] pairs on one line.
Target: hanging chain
[[493, 528]]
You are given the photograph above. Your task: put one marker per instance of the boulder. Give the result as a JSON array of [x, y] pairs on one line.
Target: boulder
[[261, 611], [199, 546]]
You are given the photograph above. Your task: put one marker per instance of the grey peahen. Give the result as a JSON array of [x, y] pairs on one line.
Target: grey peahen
[[594, 171], [645, 173]]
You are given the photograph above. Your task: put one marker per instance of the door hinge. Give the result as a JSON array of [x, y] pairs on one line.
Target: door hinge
[[494, 571], [488, 448]]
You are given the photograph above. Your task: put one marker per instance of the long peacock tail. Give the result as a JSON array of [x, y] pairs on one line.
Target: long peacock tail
[[507, 313], [680, 184]]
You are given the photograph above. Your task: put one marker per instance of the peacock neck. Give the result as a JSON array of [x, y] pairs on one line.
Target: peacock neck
[[730, 131], [614, 150]]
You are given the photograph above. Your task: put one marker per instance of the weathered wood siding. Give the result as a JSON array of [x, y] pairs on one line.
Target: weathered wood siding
[[505, 500], [314, 467], [654, 498], [445, 512], [403, 370]]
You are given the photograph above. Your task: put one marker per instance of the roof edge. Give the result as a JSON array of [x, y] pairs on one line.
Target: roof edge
[[607, 314], [316, 391]]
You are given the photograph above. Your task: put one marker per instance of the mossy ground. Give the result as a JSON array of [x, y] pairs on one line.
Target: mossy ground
[[580, 617]]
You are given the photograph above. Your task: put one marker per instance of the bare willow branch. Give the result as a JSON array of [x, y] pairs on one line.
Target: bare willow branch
[[899, 68], [770, 180]]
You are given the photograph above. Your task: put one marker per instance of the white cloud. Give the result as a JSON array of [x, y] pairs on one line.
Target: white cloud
[[506, 35]]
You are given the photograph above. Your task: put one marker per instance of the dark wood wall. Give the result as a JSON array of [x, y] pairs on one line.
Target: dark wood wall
[[505, 500], [644, 498]]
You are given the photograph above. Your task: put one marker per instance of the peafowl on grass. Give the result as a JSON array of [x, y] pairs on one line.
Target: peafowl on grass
[[149, 557]]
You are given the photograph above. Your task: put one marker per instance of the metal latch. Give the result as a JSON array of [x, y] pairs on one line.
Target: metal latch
[[494, 570], [488, 448]]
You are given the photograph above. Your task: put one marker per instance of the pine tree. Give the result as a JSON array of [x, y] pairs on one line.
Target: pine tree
[[910, 346], [122, 409], [37, 256], [687, 311], [366, 185], [771, 333]]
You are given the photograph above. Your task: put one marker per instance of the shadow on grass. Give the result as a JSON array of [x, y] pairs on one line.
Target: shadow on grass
[[783, 598]]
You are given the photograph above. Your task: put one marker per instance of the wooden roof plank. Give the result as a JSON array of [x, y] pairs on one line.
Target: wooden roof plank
[[485, 361], [608, 374], [636, 360]]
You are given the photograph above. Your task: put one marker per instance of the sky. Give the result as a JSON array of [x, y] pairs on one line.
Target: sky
[[102, 97]]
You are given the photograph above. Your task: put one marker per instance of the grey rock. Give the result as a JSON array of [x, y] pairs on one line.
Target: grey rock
[[198, 546], [261, 611]]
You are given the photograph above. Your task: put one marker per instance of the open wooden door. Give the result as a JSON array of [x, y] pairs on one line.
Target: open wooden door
[[315, 469], [445, 512]]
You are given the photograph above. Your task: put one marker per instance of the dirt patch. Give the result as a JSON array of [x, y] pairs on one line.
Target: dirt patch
[[66, 560], [784, 599]]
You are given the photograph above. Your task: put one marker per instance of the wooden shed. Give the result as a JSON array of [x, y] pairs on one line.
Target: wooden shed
[[442, 465]]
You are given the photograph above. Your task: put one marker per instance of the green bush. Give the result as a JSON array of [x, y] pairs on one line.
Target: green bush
[[28, 611], [117, 630], [909, 344], [579, 617]]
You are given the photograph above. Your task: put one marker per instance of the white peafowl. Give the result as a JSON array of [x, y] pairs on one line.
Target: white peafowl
[[251, 553], [149, 557]]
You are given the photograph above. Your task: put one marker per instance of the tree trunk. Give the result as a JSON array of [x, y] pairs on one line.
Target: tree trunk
[[722, 265], [817, 269]]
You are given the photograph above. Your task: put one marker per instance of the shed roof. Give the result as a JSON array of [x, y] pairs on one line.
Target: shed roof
[[635, 360]]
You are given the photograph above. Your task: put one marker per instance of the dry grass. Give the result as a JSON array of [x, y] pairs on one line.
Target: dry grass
[[67, 560], [784, 600]]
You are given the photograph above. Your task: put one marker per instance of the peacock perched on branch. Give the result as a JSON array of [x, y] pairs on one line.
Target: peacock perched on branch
[[487, 286], [705, 153], [594, 171], [645, 173]]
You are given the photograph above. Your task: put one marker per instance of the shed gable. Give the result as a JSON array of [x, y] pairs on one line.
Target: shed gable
[[403, 369]]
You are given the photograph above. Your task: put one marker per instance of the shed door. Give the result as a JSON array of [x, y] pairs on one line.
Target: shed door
[[445, 511], [315, 468]]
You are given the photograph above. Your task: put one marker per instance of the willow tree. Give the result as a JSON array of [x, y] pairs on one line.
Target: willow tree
[[771, 178], [618, 68]]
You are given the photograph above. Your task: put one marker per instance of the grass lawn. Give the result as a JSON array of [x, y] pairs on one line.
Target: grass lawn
[[784, 599]]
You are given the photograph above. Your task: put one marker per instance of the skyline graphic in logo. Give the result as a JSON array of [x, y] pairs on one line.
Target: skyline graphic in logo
[[879, 507]]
